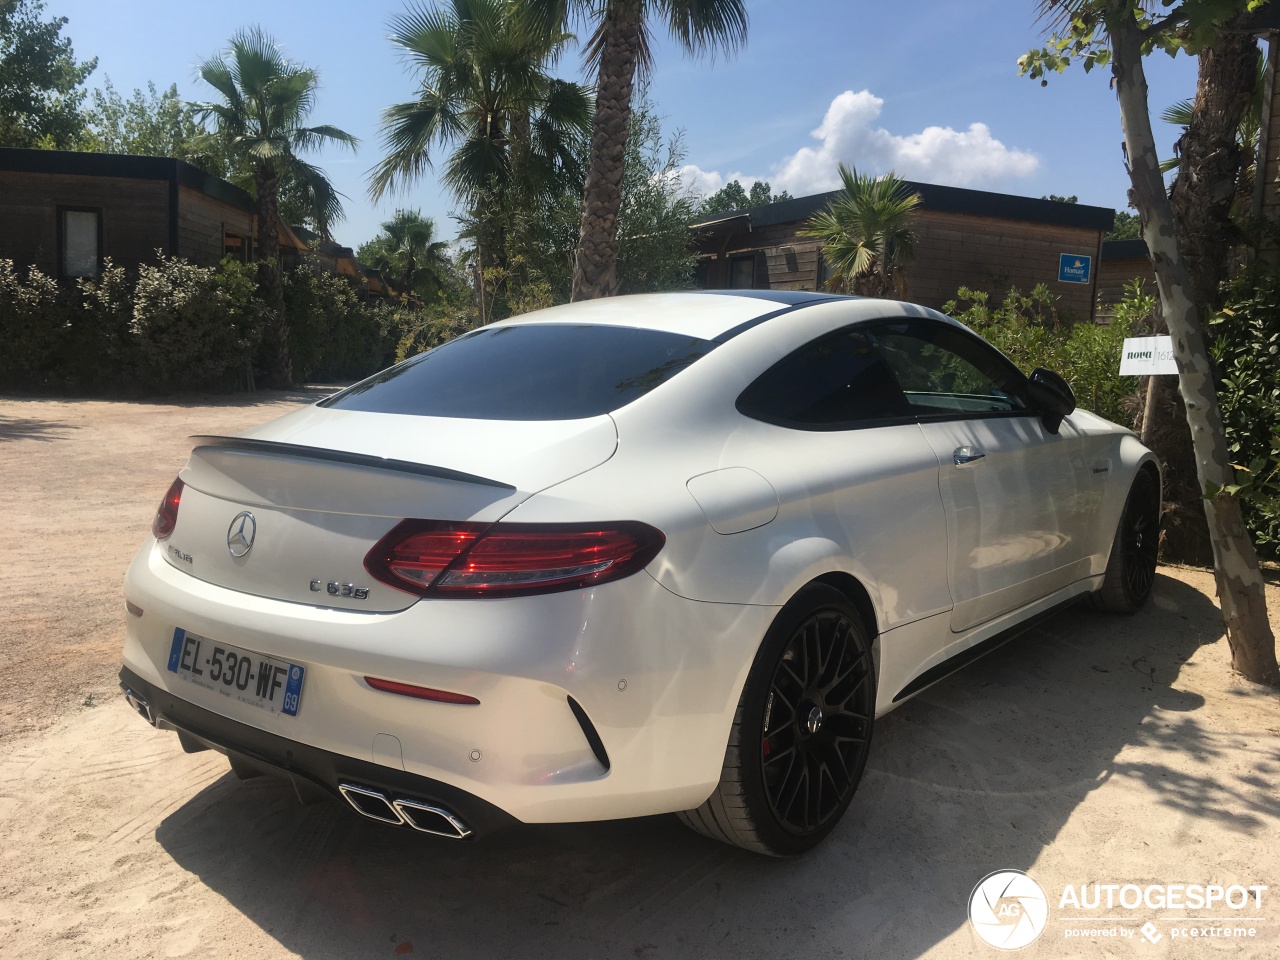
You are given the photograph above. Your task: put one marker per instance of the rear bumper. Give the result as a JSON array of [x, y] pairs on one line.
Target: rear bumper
[[656, 677], [254, 751]]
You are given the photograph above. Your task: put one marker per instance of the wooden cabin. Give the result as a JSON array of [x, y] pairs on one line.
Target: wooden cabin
[[986, 241], [64, 212]]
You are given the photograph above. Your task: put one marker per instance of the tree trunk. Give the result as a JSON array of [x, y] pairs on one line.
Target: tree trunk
[[1211, 161], [1202, 197], [270, 284], [595, 264], [1240, 585], [1184, 537], [410, 268]]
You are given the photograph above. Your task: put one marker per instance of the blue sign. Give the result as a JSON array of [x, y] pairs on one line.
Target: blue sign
[[1073, 268]]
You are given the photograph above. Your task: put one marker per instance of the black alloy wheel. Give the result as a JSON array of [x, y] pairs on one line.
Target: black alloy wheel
[[801, 733], [817, 722], [1140, 532], [1131, 569]]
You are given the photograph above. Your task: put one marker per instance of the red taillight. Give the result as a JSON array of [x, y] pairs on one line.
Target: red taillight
[[438, 558], [421, 693], [167, 516]]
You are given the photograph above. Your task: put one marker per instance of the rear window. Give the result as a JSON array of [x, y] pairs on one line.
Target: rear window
[[533, 372]]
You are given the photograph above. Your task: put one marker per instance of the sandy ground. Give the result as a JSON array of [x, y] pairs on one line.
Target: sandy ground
[[1092, 750]]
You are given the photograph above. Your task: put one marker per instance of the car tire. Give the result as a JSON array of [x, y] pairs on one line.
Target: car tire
[[801, 732], [1131, 568]]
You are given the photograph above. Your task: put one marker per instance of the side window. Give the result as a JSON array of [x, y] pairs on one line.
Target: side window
[[944, 372], [836, 382], [80, 242], [742, 273]]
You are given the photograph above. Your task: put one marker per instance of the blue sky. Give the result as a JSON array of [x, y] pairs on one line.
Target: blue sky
[[929, 88]]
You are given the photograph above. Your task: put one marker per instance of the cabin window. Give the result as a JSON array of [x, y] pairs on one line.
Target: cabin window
[[236, 246], [80, 242], [742, 273]]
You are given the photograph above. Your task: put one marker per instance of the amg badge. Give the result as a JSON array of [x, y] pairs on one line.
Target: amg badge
[[336, 589]]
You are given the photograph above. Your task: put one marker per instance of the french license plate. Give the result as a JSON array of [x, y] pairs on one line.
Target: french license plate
[[244, 676]]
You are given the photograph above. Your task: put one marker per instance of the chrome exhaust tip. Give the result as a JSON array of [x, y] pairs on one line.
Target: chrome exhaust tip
[[437, 821], [370, 803], [421, 816], [139, 704]]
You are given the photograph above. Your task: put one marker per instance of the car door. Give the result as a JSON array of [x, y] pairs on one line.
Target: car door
[[830, 429], [1012, 489]]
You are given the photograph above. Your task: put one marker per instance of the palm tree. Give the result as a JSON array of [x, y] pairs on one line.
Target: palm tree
[[408, 253], [866, 233], [1180, 114], [261, 123], [618, 49], [485, 94]]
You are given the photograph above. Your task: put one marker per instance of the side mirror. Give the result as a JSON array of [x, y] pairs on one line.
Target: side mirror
[[1051, 396]]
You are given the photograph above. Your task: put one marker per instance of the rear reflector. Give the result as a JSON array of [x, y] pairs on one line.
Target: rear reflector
[[167, 516], [133, 608], [422, 693], [440, 558]]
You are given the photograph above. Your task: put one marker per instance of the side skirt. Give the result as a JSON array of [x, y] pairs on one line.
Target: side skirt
[[980, 649]]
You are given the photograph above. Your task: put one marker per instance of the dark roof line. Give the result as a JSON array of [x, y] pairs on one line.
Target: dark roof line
[[74, 163], [980, 203], [1124, 249], [320, 244]]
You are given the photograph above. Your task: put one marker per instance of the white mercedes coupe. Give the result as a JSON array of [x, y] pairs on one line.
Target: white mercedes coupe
[[669, 553]]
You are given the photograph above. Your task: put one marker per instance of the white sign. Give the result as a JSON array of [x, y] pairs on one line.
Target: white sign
[[1145, 356]]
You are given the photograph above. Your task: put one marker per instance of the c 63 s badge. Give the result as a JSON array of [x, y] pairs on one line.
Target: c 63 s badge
[[336, 589]]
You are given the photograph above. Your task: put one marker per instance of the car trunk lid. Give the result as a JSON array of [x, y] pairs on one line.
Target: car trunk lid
[[303, 499]]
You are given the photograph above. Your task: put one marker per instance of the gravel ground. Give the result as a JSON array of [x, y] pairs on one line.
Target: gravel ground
[[1093, 750]]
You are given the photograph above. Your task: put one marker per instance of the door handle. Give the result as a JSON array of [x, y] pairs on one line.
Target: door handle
[[963, 456]]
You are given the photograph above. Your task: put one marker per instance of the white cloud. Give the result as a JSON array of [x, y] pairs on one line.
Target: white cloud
[[848, 135], [707, 182]]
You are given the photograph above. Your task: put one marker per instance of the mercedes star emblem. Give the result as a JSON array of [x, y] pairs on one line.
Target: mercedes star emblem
[[241, 533]]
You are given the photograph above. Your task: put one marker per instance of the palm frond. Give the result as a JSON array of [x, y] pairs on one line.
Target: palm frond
[[260, 124], [707, 26], [866, 231], [409, 130]]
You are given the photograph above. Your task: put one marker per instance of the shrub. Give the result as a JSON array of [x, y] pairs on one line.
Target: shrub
[[177, 326], [101, 351], [196, 327], [1246, 351], [333, 335], [1029, 330], [411, 332], [34, 320]]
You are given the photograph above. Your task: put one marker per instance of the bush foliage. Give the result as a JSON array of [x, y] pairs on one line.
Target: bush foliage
[[1028, 329], [1246, 351], [174, 326], [194, 327]]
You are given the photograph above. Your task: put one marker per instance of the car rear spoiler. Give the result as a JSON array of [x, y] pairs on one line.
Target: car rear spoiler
[[301, 452]]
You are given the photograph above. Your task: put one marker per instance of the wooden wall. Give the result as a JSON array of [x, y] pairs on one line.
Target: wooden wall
[[202, 223], [952, 249], [1116, 273], [991, 254], [135, 216]]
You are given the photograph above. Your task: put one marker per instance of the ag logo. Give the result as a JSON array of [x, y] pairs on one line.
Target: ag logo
[[1008, 910]]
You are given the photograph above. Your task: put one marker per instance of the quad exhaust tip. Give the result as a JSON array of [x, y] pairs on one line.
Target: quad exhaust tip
[[421, 816], [139, 703]]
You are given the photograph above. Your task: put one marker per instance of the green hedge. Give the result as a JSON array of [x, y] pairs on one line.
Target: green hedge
[[1028, 329], [1246, 351], [173, 326]]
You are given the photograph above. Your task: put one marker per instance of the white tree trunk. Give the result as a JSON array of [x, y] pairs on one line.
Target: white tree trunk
[[1241, 591]]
